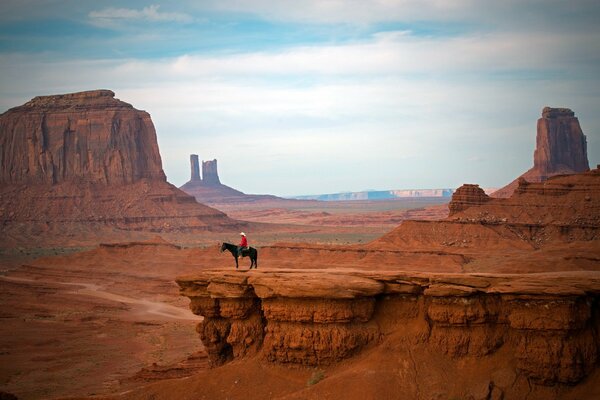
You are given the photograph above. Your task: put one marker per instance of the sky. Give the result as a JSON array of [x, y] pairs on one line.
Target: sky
[[321, 96]]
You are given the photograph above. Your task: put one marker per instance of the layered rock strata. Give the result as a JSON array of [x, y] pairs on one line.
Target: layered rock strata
[[87, 136], [562, 209], [89, 158], [466, 196], [318, 318], [561, 148]]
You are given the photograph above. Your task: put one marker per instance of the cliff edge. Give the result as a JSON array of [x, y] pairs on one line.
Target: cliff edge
[[84, 162]]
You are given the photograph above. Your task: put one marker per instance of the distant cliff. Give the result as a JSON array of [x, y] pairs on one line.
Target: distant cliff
[[89, 158], [209, 189], [561, 148], [378, 194], [86, 136]]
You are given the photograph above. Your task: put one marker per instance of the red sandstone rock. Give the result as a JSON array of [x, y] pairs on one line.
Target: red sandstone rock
[[562, 209], [88, 159], [561, 148], [552, 336], [87, 136], [465, 196]]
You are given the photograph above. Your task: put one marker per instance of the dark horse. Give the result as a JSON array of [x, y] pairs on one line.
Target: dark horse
[[250, 252]]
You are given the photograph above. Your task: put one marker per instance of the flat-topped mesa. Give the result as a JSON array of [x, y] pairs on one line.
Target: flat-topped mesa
[[560, 144], [78, 137], [81, 161], [91, 99], [210, 176], [466, 196], [551, 112]]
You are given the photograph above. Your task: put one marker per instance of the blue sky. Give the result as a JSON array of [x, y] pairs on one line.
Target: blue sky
[[303, 97]]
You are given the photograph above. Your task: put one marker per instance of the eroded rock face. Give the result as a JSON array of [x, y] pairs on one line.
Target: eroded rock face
[[210, 176], [561, 144], [561, 148], [87, 136], [553, 337], [89, 159], [466, 196], [208, 188], [562, 209], [195, 168]]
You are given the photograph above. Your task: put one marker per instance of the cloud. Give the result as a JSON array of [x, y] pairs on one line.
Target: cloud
[[411, 109], [113, 16]]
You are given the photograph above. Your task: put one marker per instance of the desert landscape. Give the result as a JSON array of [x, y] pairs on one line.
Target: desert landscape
[[115, 282]]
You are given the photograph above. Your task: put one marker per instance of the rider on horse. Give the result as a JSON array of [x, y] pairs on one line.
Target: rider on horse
[[243, 244]]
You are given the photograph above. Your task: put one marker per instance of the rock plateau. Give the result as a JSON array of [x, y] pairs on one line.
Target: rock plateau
[[510, 310]]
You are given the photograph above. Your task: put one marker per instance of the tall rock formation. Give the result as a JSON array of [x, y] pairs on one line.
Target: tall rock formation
[[209, 189], [561, 148], [195, 166], [87, 136], [88, 158], [210, 176]]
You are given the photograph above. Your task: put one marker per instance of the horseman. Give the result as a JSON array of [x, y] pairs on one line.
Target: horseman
[[243, 244]]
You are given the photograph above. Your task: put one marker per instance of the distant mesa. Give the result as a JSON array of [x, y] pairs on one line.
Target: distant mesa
[[561, 148], [378, 195], [89, 158], [209, 189], [87, 136]]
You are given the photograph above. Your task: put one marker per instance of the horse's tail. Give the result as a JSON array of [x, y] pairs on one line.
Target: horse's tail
[[255, 258]]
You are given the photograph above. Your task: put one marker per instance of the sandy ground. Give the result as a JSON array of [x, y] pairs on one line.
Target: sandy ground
[[78, 320]]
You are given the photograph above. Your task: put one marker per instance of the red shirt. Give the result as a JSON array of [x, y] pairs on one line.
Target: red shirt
[[244, 242]]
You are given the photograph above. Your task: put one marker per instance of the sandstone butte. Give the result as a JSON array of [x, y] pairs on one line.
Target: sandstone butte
[[561, 148], [499, 300], [208, 189], [89, 160]]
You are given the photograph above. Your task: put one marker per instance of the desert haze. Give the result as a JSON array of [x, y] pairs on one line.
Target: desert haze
[[141, 142]]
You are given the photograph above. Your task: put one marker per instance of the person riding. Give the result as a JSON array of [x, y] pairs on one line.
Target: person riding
[[243, 244]]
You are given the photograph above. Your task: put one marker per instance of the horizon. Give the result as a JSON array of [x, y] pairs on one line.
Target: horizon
[[320, 97]]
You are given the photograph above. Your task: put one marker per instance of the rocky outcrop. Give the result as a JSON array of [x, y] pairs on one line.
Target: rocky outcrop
[[87, 136], [561, 148], [195, 167], [210, 176], [321, 317], [562, 209], [208, 188], [88, 158], [466, 196], [560, 144]]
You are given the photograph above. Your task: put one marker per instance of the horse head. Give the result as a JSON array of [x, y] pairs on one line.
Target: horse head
[[223, 247]]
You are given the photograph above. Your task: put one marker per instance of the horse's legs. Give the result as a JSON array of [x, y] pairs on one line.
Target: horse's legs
[[236, 263]]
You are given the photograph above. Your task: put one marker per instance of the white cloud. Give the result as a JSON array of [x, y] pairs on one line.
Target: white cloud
[[410, 110], [113, 16]]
